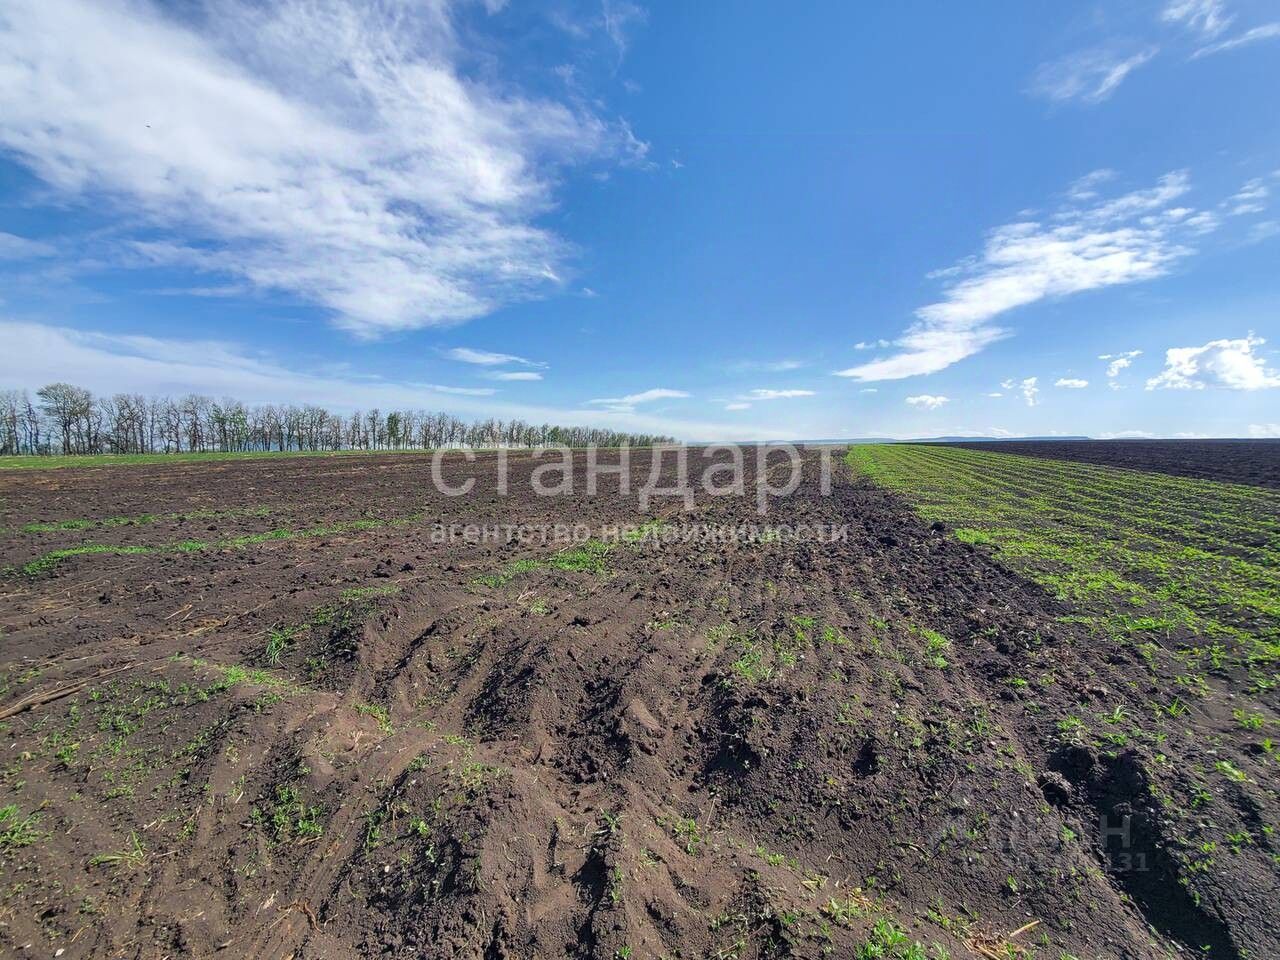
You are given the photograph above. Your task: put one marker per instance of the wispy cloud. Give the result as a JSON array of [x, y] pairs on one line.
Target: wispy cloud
[[1130, 238], [1232, 364], [488, 358], [1071, 383], [1089, 76], [620, 18], [1118, 362], [1086, 188], [1268, 31], [927, 401], [1206, 20], [761, 393], [1207, 17], [515, 375], [333, 150], [1263, 230], [1251, 198], [14, 247], [1127, 435], [631, 400], [765, 366], [462, 391], [218, 291]]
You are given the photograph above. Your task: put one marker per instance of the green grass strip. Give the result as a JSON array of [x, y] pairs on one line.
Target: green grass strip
[[46, 562], [589, 557], [142, 519], [59, 461], [1147, 553]]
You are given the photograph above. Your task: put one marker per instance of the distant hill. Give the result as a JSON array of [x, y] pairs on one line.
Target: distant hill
[[989, 439]]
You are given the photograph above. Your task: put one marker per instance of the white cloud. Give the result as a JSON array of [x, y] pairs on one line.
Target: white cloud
[[220, 290], [1264, 431], [871, 344], [766, 366], [1264, 230], [463, 391], [515, 375], [1251, 198], [927, 401], [488, 358], [1030, 392], [1223, 363], [1203, 222], [629, 402], [737, 405], [1127, 435], [1090, 75], [765, 394], [112, 363], [620, 16], [1119, 241], [1268, 31], [1118, 362], [329, 149], [995, 394], [1071, 383], [1209, 17], [1153, 200], [869, 390], [926, 348], [14, 247], [1086, 188]]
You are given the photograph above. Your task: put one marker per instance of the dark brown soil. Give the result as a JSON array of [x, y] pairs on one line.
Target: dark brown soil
[[1254, 462], [680, 750]]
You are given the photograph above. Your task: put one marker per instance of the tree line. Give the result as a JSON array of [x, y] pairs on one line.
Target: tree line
[[64, 418]]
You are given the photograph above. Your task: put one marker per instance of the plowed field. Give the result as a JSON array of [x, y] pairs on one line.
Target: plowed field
[[1024, 708]]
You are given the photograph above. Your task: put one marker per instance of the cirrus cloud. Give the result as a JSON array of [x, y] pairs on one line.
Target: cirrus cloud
[[629, 402], [1267, 31], [761, 393], [1090, 76], [488, 358], [335, 151], [14, 247], [1134, 237], [1209, 17]]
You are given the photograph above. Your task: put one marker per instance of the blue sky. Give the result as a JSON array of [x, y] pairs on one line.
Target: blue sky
[[715, 220]]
